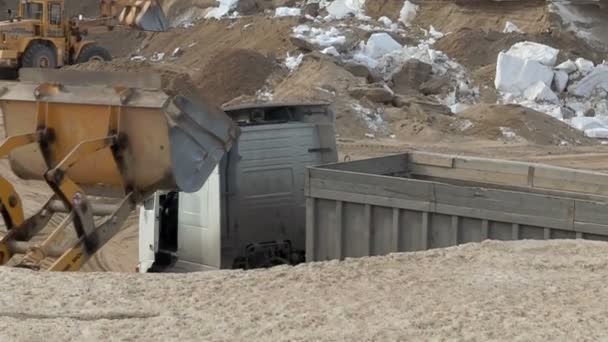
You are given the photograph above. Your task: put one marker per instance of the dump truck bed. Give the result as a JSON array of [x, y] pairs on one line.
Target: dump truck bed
[[418, 201]]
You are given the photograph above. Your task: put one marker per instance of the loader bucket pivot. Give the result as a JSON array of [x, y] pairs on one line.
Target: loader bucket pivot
[[116, 136]]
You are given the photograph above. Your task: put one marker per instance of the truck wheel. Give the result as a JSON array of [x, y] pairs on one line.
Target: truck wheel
[[91, 53], [39, 56]]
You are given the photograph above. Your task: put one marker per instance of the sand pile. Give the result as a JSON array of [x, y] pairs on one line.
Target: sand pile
[[529, 290]]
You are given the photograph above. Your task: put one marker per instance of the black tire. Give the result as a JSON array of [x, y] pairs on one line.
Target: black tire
[[39, 55], [93, 53]]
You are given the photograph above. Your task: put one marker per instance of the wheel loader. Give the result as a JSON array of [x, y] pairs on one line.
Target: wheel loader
[[103, 142], [40, 35]]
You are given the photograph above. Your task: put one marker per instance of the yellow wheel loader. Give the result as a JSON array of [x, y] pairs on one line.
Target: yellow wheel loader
[[103, 142], [40, 35]]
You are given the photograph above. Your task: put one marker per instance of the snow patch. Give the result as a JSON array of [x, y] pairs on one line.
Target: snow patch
[[223, 8], [293, 62], [287, 12], [510, 28]]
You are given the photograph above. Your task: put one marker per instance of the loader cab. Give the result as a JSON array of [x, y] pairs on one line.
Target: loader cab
[[48, 13]]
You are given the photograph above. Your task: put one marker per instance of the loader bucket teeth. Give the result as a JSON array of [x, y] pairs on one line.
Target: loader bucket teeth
[[103, 143], [145, 15]]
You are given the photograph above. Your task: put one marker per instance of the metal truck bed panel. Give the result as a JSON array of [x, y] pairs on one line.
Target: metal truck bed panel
[[418, 201]]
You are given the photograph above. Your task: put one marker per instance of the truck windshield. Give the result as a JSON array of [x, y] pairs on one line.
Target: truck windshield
[[33, 11]]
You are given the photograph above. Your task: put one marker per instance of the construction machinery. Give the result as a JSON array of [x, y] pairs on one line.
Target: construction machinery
[[103, 142], [40, 35]]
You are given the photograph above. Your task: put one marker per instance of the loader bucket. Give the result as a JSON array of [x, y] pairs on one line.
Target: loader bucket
[[108, 134], [146, 15]]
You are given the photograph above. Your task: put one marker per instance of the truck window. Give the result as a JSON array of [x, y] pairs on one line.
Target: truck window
[[33, 11], [55, 14]]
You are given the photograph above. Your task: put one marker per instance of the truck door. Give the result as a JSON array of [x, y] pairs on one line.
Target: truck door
[[199, 225], [148, 232]]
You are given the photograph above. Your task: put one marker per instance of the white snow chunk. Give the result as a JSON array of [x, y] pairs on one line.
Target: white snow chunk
[[287, 12], [600, 133], [434, 33], [568, 66], [515, 75], [222, 9], [534, 51], [598, 78], [508, 132], [319, 36], [380, 44], [332, 51], [293, 62], [584, 66], [157, 57], [340, 9], [510, 27], [584, 123], [408, 13], [386, 21], [560, 81], [539, 92]]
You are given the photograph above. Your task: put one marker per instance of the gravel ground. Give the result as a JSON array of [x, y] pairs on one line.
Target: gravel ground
[[491, 291]]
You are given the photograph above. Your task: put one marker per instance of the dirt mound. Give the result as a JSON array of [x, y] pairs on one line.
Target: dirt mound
[[234, 72], [174, 81], [476, 48], [514, 122], [268, 36]]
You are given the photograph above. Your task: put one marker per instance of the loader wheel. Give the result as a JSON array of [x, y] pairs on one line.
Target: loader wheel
[[93, 53], [39, 56]]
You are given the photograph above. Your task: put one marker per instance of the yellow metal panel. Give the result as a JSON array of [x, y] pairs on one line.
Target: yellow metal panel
[[8, 54]]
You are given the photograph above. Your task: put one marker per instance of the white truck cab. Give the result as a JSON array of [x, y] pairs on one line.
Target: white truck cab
[[251, 211]]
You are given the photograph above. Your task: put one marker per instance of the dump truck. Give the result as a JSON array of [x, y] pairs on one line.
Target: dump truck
[[250, 212], [103, 142], [401, 203], [40, 35]]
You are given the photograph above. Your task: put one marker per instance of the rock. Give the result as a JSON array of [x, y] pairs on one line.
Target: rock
[[568, 113], [568, 66], [302, 44], [421, 105], [541, 53], [584, 66], [583, 123], [312, 9], [375, 93], [411, 76], [600, 133], [380, 44], [514, 75], [590, 113], [358, 70], [540, 93], [597, 79], [435, 86], [560, 81]]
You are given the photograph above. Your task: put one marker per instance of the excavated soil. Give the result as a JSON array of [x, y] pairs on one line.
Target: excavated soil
[[500, 291]]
